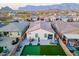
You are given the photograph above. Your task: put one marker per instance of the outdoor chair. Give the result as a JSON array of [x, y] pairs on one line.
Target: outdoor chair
[[15, 41]]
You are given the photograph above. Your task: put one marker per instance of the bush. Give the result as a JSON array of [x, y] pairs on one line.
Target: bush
[[1, 49], [30, 43], [38, 44]]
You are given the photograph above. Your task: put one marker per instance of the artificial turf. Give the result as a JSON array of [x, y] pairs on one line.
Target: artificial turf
[[31, 50], [42, 50]]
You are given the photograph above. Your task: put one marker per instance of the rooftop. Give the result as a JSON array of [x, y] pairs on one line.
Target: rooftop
[[15, 26], [40, 25], [72, 36], [67, 27]]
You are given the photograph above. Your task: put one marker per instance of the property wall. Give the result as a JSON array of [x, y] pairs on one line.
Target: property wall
[[12, 53], [66, 50], [41, 34]]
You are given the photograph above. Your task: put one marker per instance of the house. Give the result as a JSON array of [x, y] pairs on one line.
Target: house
[[34, 17], [14, 29], [72, 39], [68, 31], [65, 18], [51, 18], [75, 18], [40, 30], [65, 27]]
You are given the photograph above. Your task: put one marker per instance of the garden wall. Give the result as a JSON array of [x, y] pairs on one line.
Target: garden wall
[[12, 53], [66, 50]]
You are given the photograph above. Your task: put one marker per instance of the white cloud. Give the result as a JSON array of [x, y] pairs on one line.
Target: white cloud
[[16, 3]]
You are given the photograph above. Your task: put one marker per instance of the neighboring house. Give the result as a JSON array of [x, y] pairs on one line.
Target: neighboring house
[[15, 29], [75, 18], [68, 30], [64, 18], [51, 18], [72, 39], [66, 27], [34, 17], [42, 18], [41, 30]]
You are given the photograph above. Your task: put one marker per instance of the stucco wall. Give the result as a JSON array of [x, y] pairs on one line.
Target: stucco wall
[[12, 53], [66, 50], [41, 34]]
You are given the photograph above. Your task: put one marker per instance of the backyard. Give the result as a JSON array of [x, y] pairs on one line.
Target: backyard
[[43, 50], [77, 51]]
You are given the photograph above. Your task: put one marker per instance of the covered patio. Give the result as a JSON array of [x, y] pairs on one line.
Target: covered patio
[[27, 41], [72, 39]]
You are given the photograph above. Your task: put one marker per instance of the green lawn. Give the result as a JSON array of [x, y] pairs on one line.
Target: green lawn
[[52, 50], [42, 50], [1, 49], [31, 50]]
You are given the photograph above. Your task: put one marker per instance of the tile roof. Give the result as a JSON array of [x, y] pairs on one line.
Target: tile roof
[[40, 25], [66, 27], [15, 26]]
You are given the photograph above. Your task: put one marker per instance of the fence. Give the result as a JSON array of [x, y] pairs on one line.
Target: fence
[[66, 50], [12, 53]]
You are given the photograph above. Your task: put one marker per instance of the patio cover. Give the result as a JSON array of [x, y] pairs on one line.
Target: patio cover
[[72, 36]]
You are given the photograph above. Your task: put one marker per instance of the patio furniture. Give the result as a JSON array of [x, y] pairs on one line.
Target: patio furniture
[[15, 41], [6, 51], [31, 40], [18, 49]]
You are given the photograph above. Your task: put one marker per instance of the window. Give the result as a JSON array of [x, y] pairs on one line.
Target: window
[[50, 36], [18, 33], [6, 33], [45, 35], [36, 35], [10, 33]]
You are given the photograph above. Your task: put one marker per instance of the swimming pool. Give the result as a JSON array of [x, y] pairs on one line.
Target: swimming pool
[[77, 52]]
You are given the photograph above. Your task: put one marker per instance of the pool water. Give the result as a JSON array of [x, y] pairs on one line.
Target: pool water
[[77, 53]]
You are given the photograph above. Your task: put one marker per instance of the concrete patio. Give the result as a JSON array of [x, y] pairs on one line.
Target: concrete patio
[[6, 41]]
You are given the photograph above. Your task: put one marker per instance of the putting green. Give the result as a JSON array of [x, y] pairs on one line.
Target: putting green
[[42, 50]]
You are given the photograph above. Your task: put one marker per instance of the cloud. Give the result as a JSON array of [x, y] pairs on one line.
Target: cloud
[[14, 4]]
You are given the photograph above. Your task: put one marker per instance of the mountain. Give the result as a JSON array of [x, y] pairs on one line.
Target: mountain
[[64, 6], [6, 9]]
